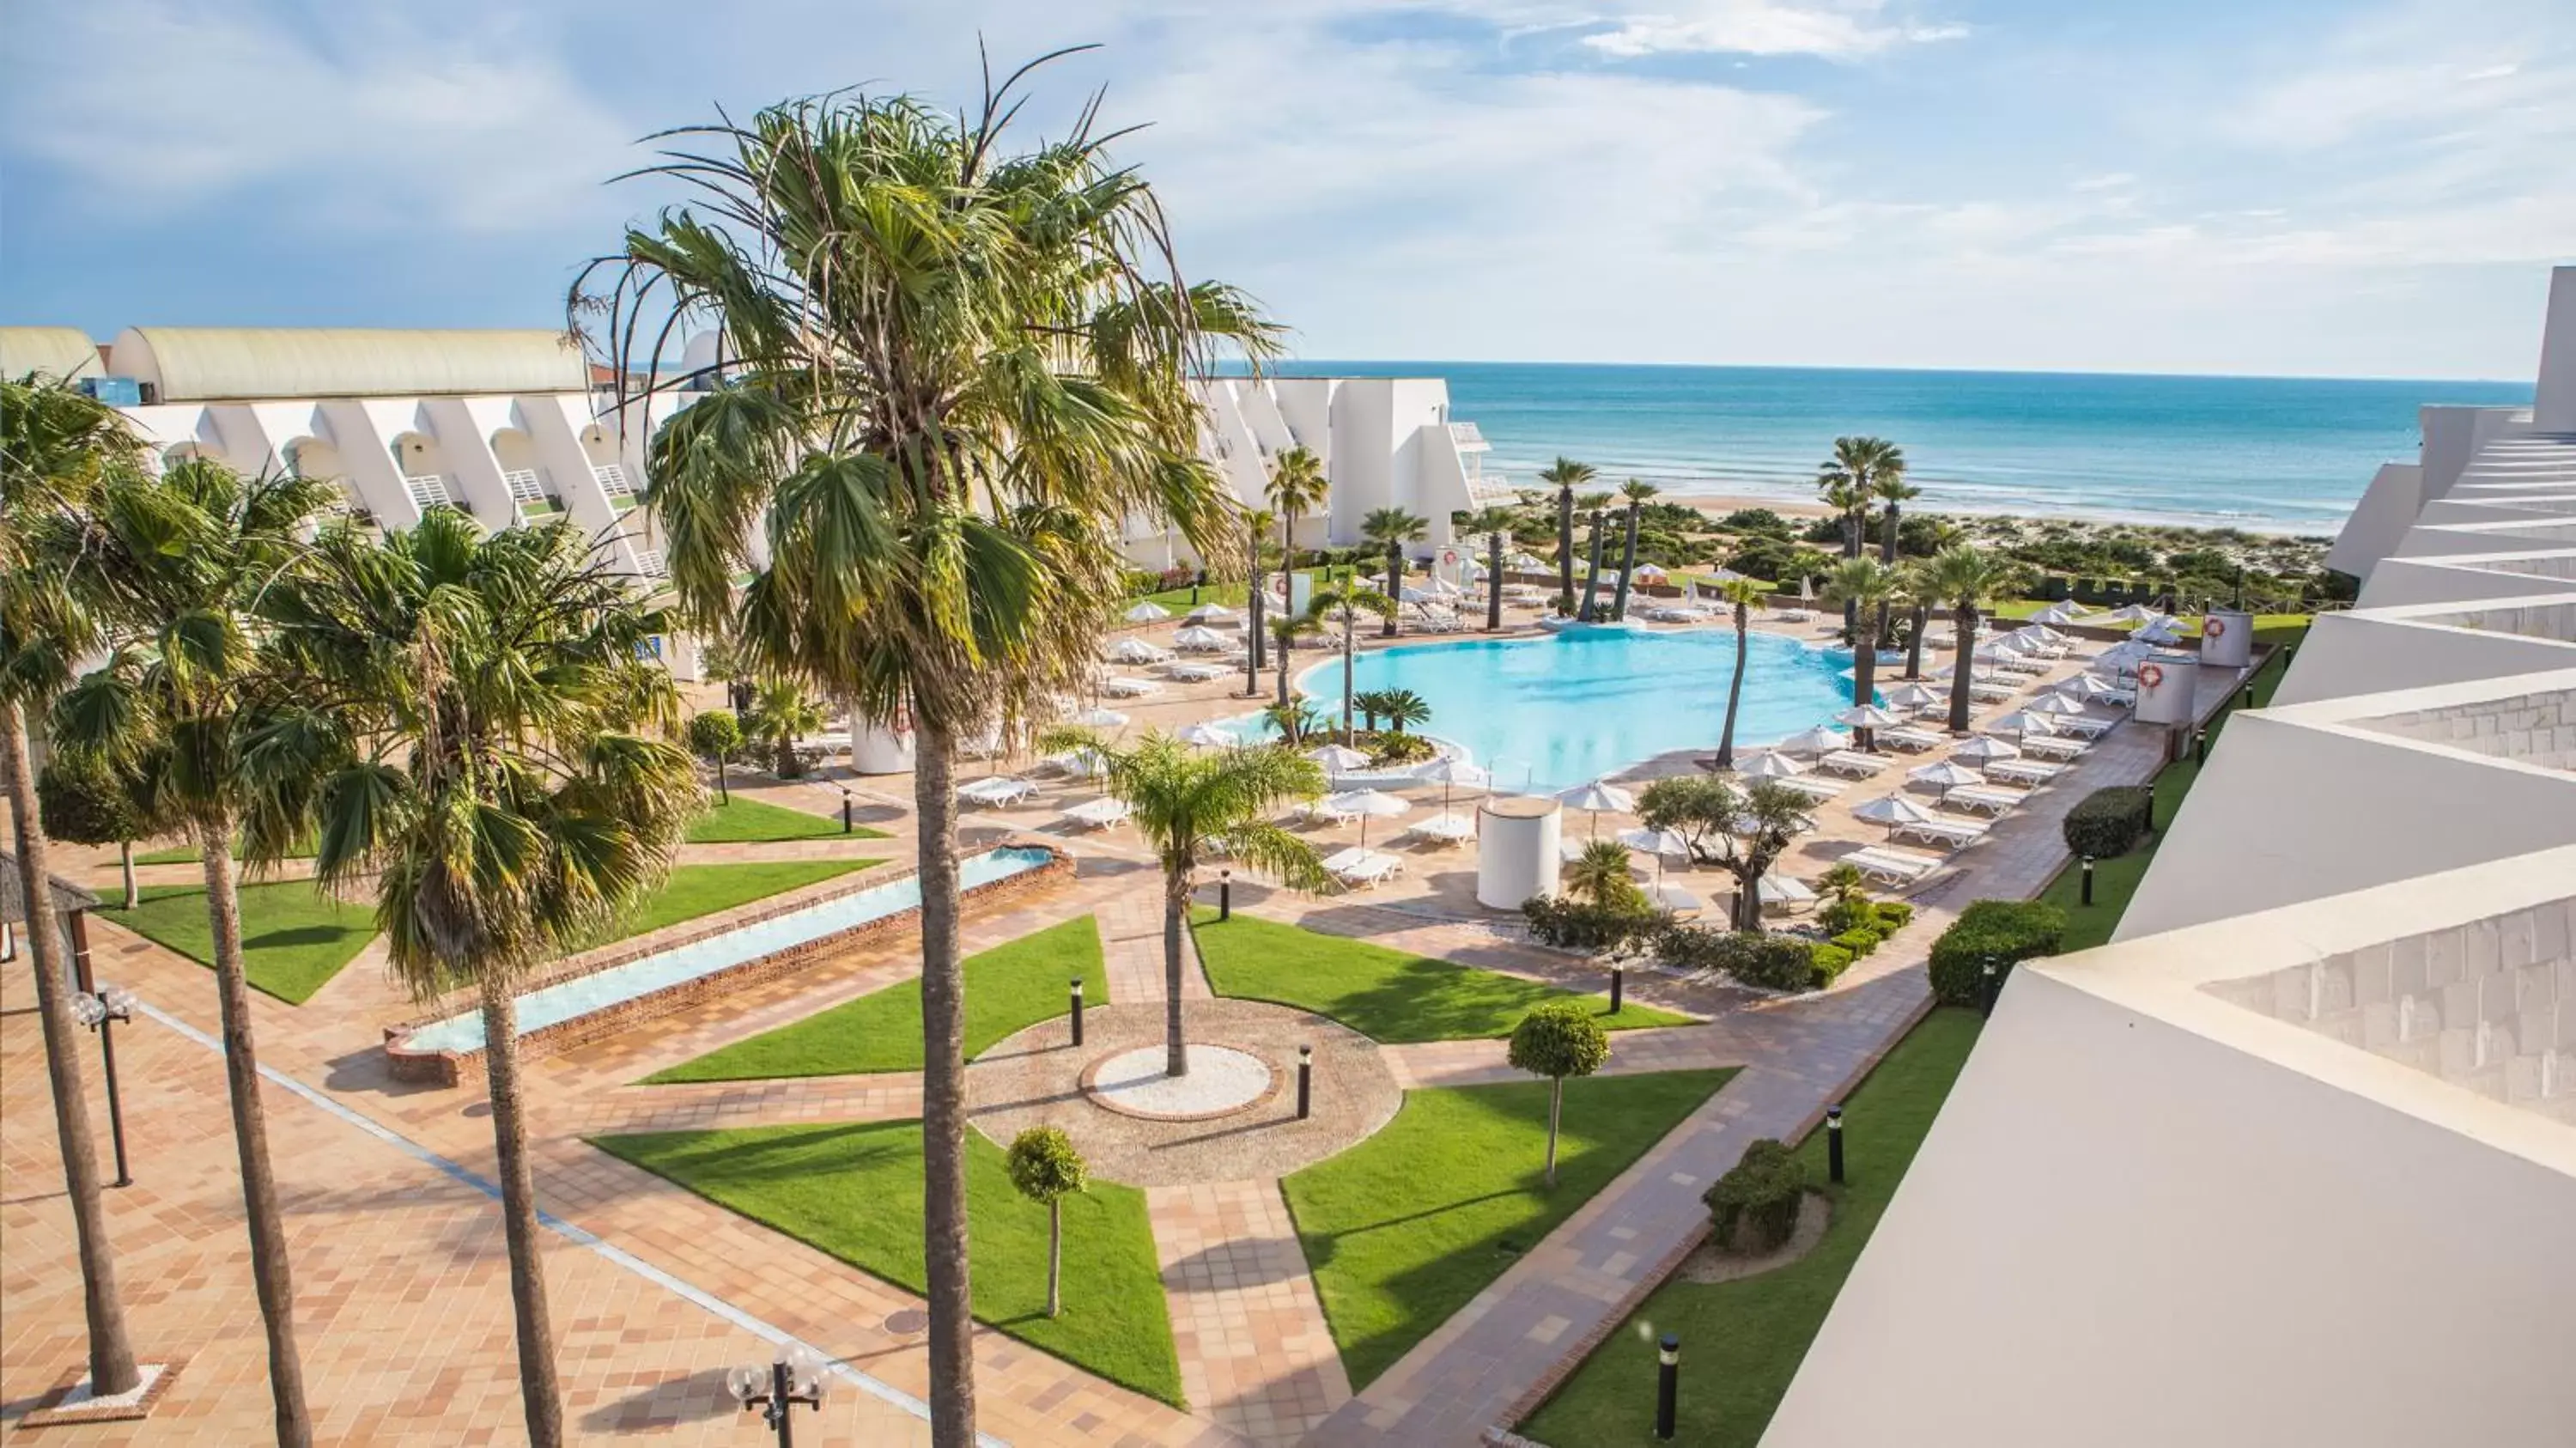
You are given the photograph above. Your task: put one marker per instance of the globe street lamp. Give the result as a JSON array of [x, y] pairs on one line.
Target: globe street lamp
[[794, 1376], [101, 1011]]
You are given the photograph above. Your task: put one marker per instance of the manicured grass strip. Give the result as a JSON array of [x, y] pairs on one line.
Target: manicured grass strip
[[1404, 1228], [695, 890], [1743, 1340], [187, 854], [854, 1190], [743, 820], [1008, 987], [1381, 993], [2115, 880], [294, 937]]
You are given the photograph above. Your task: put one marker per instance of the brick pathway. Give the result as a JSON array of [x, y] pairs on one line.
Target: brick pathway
[[1131, 938], [1256, 1353]]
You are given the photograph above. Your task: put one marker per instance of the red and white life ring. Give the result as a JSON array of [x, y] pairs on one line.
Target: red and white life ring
[[2151, 674], [2214, 628]]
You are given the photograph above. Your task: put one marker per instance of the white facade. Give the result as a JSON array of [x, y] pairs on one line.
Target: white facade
[[1385, 442], [2293, 1160]]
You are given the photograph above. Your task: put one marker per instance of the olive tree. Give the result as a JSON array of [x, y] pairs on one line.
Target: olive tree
[[715, 736], [1046, 1169], [1558, 1040]]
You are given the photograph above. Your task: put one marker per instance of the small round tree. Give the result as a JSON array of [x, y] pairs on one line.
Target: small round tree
[[1046, 1168], [1558, 1040], [85, 802], [716, 736]]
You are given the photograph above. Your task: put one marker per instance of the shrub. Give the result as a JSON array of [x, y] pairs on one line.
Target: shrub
[[1826, 963], [1581, 925], [1752, 957], [1754, 1207], [2003, 931], [1176, 576], [1859, 940], [1894, 915], [2110, 821], [1842, 915]]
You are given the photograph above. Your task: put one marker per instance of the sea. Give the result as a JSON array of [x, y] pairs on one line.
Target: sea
[[2265, 454]]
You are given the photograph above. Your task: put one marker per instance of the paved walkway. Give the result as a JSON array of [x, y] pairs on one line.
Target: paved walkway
[[1256, 1353]]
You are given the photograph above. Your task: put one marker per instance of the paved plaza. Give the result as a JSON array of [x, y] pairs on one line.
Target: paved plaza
[[401, 1278]]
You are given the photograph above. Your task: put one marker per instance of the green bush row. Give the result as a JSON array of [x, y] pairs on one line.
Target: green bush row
[[1754, 1207], [2001, 931], [1571, 924], [2110, 821]]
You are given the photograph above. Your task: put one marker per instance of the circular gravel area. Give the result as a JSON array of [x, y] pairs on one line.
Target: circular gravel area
[[1036, 1078], [1220, 1082]]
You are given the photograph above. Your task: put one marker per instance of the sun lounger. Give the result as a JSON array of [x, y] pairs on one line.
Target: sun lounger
[[1907, 737], [2019, 664], [2052, 746], [2023, 771], [1985, 797], [1952, 833], [996, 791], [1129, 688], [2081, 726], [1195, 673], [1853, 763], [1812, 788], [1793, 615], [1444, 829], [1895, 867], [1323, 813], [1097, 814], [1361, 869]]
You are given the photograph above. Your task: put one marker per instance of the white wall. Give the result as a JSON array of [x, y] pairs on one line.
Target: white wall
[[2553, 402], [2401, 582], [2372, 652], [2121, 1234], [2386, 510]]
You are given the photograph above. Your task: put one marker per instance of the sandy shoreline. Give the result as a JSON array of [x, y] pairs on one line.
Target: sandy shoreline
[[1718, 505]]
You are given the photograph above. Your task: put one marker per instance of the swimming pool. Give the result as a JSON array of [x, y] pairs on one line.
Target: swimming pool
[[584, 994], [1549, 713]]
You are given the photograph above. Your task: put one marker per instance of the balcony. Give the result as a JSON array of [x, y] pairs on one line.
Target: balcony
[[429, 490], [1468, 438], [649, 562], [612, 480]]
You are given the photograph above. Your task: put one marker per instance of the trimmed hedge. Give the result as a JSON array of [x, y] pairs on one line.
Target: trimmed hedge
[[1571, 924], [1828, 962], [2003, 931], [1754, 1207], [1860, 940], [2110, 821], [1894, 915], [1756, 958]]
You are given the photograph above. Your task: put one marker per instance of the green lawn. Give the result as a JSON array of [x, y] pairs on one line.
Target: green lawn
[[1232, 594], [1742, 1340], [294, 938], [1404, 1228], [695, 890], [1007, 988], [743, 820], [187, 854], [1383, 994], [854, 1190], [2115, 880]]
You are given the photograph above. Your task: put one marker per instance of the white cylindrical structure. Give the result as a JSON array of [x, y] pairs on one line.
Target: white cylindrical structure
[[2168, 684], [1517, 838], [2227, 639], [878, 749]]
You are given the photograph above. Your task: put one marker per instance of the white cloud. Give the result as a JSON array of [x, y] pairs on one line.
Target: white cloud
[[1848, 31], [355, 118]]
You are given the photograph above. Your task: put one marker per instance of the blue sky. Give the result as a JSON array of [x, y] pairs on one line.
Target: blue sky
[[2256, 186]]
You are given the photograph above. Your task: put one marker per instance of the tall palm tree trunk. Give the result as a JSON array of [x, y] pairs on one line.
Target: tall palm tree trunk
[[1176, 908], [1254, 597], [1851, 549], [1887, 541], [1565, 547], [943, 1093], [1283, 669], [1864, 683], [1591, 573], [1965, 623], [1350, 655], [1493, 582], [1734, 692], [540, 1389], [125, 869], [1627, 566], [1394, 586], [1914, 645], [111, 1351], [270, 1273]]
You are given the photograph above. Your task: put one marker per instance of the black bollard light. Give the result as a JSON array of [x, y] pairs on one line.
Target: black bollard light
[[1618, 987], [1077, 1010], [2200, 745], [1305, 1082], [1224, 896], [1668, 1386], [845, 809], [2088, 879], [1994, 986], [1834, 1144]]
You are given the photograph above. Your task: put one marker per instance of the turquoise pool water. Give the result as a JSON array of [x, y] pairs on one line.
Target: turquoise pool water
[[664, 969], [1548, 713]]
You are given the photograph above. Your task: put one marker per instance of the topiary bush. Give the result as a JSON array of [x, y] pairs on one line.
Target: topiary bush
[[1894, 915], [1754, 1207], [2110, 821], [1860, 940], [1751, 957], [1571, 924], [1827, 962], [2003, 931]]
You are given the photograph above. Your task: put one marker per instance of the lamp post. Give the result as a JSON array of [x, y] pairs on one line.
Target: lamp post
[[795, 1376], [845, 809], [1077, 1010], [1994, 985], [100, 1008], [1305, 1082], [1668, 1385], [1618, 986], [1224, 896], [1834, 1144], [2200, 745], [2088, 879]]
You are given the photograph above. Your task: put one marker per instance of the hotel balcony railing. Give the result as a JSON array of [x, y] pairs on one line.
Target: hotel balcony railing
[[527, 485], [612, 479], [648, 561], [1467, 437], [428, 490]]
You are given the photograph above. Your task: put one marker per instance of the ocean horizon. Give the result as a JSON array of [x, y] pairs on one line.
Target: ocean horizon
[[2267, 454]]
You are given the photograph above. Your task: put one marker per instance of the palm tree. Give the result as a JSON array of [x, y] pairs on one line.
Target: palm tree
[[1636, 492], [1915, 593], [1297, 487], [781, 715], [1391, 529], [1371, 703], [1889, 487], [1256, 596], [1563, 475], [1858, 463], [1293, 719], [955, 371], [1402, 708], [1742, 593], [1600, 874], [56, 446], [1592, 569], [486, 749], [179, 563], [1188, 804], [1283, 632], [1967, 578], [1342, 601], [1496, 525], [1862, 583]]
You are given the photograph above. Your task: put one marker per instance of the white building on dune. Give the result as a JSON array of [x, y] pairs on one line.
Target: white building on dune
[[2293, 1160]]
